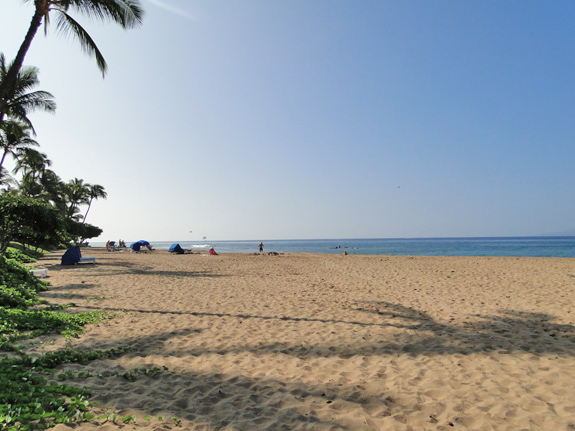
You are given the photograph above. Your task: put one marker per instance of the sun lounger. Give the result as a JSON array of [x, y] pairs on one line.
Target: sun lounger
[[87, 260], [41, 273]]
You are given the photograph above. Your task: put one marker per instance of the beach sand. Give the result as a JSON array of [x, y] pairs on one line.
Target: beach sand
[[325, 342]]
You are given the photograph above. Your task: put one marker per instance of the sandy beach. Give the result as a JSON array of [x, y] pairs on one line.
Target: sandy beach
[[325, 342]]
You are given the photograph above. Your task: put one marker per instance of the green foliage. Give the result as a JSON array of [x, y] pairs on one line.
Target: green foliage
[[17, 255], [28, 398], [131, 419], [19, 324], [18, 287], [29, 401], [34, 253], [133, 375], [27, 220], [82, 231]]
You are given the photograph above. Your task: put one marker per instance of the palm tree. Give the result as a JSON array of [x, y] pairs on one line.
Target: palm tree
[[77, 193], [19, 100], [53, 189], [6, 179], [126, 13], [32, 163], [95, 192], [14, 137]]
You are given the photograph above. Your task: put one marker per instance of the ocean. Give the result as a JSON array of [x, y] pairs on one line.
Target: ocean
[[504, 246]]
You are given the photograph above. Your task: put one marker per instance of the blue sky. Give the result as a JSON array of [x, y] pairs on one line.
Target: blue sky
[[317, 119]]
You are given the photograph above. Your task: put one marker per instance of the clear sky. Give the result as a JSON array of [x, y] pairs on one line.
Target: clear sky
[[253, 119]]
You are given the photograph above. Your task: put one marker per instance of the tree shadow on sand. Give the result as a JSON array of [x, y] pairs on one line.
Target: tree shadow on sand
[[247, 402], [216, 400], [116, 268], [419, 333], [510, 331]]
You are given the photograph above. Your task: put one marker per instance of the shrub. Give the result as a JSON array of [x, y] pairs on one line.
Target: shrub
[[18, 287], [18, 255]]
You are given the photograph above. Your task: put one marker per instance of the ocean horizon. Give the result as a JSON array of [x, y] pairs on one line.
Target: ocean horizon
[[533, 246]]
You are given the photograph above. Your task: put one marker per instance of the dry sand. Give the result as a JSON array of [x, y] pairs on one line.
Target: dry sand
[[327, 342]]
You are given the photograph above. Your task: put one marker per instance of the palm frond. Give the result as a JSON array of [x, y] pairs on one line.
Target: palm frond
[[20, 114], [127, 13], [3, 68], [69, 26], [37, 100], [5, 178], [46, 23], [27, 78]]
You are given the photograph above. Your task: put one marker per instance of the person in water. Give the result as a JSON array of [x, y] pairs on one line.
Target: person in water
[[261, 246]]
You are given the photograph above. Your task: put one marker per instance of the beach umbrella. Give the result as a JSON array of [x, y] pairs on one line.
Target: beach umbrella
[[142, 242]]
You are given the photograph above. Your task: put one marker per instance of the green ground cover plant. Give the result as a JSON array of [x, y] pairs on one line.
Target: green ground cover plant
[[29, 401], [18, 255], [23, 253], [18, 287], [16, 324], [29, 398]]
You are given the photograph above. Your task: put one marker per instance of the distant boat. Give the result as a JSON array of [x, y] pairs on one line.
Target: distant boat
[[204, 238]]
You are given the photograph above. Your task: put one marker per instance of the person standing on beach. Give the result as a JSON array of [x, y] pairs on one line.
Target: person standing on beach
[[261, 246]]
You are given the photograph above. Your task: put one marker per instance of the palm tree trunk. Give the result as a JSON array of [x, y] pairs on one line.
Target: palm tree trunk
[[10, 77], [3, 157], [85, 215]]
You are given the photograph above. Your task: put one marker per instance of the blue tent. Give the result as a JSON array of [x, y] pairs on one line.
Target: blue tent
[[175, 248], [135, 246], [143, 242], [71, 256]]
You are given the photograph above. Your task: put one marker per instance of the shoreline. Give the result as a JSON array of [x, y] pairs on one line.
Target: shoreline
[[323, 341], [98, 249], [513, 246]]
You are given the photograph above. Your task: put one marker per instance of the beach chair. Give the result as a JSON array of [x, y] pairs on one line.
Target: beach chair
[[40, 273], [87, 260]]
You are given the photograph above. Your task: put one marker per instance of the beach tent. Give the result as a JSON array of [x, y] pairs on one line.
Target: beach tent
[[73, 256], [135, 246], [143, 242], [176, 248]]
